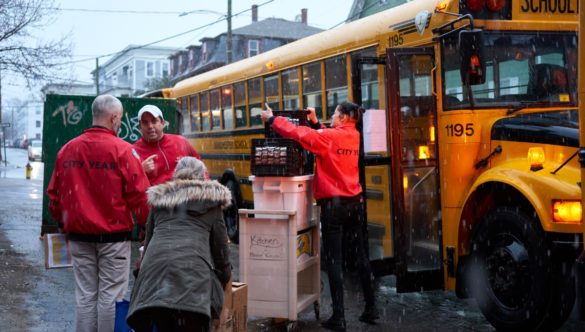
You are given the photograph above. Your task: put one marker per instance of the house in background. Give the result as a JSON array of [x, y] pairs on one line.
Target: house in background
[[69, 89], [26, 120], [129, 73], [247, 41]]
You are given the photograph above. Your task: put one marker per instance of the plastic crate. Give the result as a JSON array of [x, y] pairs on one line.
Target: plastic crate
[[285, 193], [279, 157], [298, 118]]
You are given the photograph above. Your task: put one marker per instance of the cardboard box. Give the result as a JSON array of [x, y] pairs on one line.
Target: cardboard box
[[240, 306], [226, 319]]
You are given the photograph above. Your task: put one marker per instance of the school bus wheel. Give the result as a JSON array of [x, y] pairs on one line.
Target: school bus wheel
[[511, 270], [232, 219]]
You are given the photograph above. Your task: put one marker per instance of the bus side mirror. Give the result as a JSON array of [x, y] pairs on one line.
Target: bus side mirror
[[471, 57]]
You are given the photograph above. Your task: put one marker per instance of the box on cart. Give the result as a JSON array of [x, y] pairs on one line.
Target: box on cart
[[285, 193]]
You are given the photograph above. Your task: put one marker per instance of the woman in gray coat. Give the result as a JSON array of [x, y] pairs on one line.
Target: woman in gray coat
[[185, 248]]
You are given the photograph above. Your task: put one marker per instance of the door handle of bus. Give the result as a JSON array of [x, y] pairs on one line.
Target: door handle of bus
[[433, 88]]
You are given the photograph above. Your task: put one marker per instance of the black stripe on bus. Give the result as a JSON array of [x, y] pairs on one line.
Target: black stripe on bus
[[224, 133], [556, 128], [225, 156], [402, 24]]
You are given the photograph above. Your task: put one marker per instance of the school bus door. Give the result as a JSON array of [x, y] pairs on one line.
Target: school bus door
[[415, 169]]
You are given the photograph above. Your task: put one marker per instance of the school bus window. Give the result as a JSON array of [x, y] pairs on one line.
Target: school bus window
[[416, 104], [240, 104], [290, 89], [226, 106], [214, 108], [255, 101], [183, 109], [369, 75], [312, 87], [271, 91], [518, 67], [204, 100], [336, 82], [195, 116]]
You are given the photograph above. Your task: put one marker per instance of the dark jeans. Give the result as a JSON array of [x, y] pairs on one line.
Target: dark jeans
[[342, 224]]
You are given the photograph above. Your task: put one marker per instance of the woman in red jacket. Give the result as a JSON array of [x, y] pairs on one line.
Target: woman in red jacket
[[337, 190]]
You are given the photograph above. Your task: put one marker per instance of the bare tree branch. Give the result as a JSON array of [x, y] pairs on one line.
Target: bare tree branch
[[21, 51]]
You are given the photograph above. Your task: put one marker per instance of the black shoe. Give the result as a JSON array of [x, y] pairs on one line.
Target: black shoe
[[335, 323], [370, 315]]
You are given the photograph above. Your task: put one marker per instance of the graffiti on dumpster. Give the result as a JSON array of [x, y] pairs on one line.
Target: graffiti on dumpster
[[69, 112], [129, 129], [266, 247]]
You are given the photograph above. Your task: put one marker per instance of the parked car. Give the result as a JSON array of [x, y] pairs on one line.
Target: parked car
[[16, 143], [35, 150]]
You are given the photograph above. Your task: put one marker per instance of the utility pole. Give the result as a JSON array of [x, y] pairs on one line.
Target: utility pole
[[3, 131], [97, 76], [229, 32]]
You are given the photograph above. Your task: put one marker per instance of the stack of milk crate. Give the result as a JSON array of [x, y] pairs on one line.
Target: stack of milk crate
[[279, 239]]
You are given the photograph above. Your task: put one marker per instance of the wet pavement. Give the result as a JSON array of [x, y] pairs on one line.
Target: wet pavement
[[36, 299]]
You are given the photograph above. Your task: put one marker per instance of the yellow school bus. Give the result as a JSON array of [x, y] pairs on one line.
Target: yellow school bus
[[469, 149]]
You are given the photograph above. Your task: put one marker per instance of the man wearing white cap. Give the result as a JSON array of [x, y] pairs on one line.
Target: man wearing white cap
[[158, 151]]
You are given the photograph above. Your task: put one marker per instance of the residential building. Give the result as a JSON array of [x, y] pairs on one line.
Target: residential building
[[25, 118], [69, 89], [129, 72], [247, 41]]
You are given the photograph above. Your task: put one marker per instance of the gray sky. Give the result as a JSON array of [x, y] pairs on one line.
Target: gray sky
[[96, 33]]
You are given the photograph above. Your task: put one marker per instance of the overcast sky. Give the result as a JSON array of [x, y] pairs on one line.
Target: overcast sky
[[95, 33]]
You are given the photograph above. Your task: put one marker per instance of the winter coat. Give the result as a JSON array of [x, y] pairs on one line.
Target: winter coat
[[97, 182], [337, 153], [168, 151], [185, 239]]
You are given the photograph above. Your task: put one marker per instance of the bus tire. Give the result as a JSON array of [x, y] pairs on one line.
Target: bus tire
[[510, 270], [230, 214], [563, 295]]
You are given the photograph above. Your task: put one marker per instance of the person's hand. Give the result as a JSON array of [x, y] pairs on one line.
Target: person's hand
[[312, 116], [148, 164], [267, 114]]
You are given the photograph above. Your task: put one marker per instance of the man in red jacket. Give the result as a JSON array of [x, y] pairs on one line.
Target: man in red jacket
[[337, 190], [159, 151], [97, 183]]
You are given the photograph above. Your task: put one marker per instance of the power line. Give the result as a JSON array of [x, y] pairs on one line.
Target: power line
[[160, 40], [114, 11]]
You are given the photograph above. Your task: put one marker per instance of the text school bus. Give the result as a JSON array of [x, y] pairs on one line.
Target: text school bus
[[470, 138]]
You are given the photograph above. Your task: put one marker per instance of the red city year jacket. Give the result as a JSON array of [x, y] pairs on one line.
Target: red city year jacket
[[97, 182], [337, 153], [169, 149]]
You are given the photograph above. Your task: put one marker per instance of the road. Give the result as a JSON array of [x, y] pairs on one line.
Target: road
[[36, 299]]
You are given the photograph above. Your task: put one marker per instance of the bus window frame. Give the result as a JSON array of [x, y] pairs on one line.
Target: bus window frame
[[224, 111], [260, 97]]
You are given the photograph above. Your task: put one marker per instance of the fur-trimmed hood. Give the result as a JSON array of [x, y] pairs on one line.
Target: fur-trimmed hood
[[201, 193]]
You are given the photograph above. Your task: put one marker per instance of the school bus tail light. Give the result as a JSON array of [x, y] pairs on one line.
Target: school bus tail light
[[536, 158], [475, 5], [565, 211], [495, 5]]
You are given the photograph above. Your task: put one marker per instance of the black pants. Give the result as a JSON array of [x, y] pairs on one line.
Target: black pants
[[170, 320], [341, 224]]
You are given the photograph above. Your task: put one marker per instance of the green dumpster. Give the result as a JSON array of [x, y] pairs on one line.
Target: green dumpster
[[65, 117]]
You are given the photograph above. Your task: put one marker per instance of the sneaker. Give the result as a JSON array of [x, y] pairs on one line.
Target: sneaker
[[335, 323], [370, 315]]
